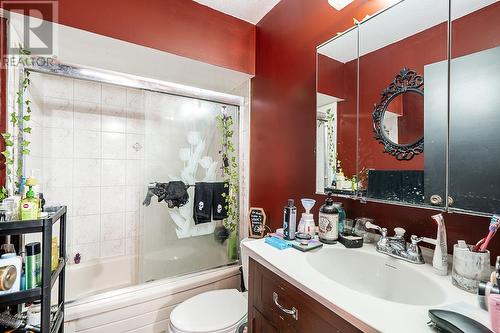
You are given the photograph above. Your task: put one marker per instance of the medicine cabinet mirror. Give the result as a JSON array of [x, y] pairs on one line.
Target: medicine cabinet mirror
[[474, 147], [416, 107], [336, 115]]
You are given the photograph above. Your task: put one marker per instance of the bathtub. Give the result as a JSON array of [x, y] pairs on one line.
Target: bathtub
[[100, 275], [141, 308]]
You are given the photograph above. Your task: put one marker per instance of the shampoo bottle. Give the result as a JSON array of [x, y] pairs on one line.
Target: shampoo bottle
[[289, 220], [33, 265], [328, 222]]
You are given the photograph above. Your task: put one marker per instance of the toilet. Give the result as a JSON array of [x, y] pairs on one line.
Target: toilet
[[215, 311]]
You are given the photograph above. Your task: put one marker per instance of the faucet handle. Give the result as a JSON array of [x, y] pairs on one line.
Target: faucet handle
[[370, 225], [415, 240]]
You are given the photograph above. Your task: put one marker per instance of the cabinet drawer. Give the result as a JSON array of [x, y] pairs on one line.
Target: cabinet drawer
[[261, 324], [289, 308]]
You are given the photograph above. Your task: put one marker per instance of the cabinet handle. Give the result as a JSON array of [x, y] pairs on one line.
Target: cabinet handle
[[436, 200], [293, 312]]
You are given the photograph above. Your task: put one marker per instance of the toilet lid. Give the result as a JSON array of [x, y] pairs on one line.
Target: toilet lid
[[210, 311]]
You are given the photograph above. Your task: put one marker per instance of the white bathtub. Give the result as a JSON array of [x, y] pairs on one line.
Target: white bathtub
[[100, 275], [141, 308]]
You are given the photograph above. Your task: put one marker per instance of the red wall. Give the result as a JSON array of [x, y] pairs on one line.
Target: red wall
[[182, 27], [282, 162]]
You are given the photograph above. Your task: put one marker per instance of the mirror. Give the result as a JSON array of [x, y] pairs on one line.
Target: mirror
[[411, 98], [398, 118], [474, 144], [336, 115], [399, 161]]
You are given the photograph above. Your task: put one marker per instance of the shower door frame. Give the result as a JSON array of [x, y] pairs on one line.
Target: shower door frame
[[51, 66]]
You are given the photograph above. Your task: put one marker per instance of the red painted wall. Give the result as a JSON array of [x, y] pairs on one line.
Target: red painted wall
[[283, 121], [282, 162], [182, 27]]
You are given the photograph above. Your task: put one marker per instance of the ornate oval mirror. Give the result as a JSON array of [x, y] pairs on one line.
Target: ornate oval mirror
[[398, 120]]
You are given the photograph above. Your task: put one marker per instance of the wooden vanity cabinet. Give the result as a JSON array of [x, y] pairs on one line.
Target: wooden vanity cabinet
[[299, 312]]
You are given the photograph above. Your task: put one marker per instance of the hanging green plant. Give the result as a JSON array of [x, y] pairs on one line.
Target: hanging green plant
[[229, 168], [332, 154], [20, 127]]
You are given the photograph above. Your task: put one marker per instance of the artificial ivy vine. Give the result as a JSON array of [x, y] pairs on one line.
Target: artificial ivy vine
[[22, 126], [229, 168], [332, 156]]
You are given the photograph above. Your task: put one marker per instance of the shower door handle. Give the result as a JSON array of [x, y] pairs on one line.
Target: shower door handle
[[292, 312]]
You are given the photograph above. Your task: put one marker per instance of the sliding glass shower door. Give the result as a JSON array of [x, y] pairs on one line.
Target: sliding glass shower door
[[181, 143]]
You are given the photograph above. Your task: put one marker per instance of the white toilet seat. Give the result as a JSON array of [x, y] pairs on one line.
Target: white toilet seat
[[216, 311]]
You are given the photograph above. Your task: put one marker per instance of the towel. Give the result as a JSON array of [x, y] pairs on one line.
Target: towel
[[174, 193], [219, 210], [202, 205]]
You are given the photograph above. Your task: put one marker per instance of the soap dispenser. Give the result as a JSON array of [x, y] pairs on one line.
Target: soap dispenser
[[30, 206], [328, 221], [307, 228]]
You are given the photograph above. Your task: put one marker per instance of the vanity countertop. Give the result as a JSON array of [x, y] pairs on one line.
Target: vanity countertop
[[367, 312]]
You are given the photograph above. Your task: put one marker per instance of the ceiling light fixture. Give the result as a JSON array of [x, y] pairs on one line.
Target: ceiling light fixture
[[339, 4]]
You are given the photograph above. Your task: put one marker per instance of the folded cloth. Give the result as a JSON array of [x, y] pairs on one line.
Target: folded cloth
[[220, 192], [202, 205]]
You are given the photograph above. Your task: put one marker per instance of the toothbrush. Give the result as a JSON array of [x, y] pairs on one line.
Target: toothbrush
[[21, 185], [494, 224]]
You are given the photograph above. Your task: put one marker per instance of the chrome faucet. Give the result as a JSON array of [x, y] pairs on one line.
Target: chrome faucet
[[396, 246]]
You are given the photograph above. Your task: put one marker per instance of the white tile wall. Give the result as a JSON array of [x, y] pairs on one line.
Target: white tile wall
[[83, 137], [114, 145]]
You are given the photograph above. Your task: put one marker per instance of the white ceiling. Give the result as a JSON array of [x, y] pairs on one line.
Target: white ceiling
[[403, 20], [249, 10]]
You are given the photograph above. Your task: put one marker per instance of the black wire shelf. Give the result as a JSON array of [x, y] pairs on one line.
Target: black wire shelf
[[19, 227], [50, 323]]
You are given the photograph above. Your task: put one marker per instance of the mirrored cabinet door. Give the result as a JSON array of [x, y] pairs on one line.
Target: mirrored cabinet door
[[403, 104], [336, 110], [474, 147]]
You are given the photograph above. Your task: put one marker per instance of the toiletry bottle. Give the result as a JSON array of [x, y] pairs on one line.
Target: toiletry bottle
[[289, 220], [33, 265], [55, 253], [440, 258], [340, 179], [328, 222], [29, 209], [342, 215], [42, 201]]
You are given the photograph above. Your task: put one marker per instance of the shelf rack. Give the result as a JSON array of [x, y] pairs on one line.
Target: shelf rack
[[44, 226]]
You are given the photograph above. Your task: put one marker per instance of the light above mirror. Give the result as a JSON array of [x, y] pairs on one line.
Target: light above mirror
[[339, 4]]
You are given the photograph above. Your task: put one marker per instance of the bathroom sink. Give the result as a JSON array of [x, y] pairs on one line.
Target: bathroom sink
[[377, 275]]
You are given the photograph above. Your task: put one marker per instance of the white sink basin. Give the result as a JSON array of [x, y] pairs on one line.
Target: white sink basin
[[377, 275]]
